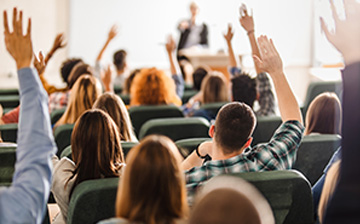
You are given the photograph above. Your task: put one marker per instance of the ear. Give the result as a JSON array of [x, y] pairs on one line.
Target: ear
[[211, 131], [248, 142]]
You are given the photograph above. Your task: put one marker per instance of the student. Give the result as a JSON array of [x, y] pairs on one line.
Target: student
[[25, 200], [115, 107], [152, 187], [97, 153], [230, 148]]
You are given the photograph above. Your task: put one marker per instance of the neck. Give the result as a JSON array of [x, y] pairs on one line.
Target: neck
[[218, 153]]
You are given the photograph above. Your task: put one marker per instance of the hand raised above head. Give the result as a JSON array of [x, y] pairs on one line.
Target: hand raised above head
[[59, 41], [106, 78], [346, 37], [246, 21], [113, 32], [18, 45], [39, 63], [230, 33], [170, 44]]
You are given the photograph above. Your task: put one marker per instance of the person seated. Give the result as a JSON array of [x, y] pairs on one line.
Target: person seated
[[235, 199], [25, 200], [243, 88], [230, 147], [83, 95], [129, 80], [324, 115], [152, 187], [96, 153], [115, 107]]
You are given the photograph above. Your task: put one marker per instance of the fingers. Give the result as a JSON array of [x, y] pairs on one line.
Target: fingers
[[334, 12], [325, 29], [41, 57], [14, 20], [6, 24], [28, 33], [258, 61], [20, 28], [264, 46]]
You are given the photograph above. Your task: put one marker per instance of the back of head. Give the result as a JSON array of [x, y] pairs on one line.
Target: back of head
[[231, 207], [67, 66], [324, 115], [234, 125], [96, 147], [82, 97], [152, 87], [78, 70], [129, 80], [198, 76], [214, 88], [244, 89], [115, 107], [119, 59], [152, 187]]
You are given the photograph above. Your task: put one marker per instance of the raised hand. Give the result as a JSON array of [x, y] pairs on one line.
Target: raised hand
[[346, 37], [229, 35], [18, 45], [270, 61], [106, 79], [39, 63], [59, 42], [246, 21], [113, 32], [170, 44]]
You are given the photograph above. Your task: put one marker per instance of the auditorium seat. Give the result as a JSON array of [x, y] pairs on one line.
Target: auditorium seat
[[56, 115], [62, 136], [9, 132], [288, 193], [213, 107], [92, 201], [9, 92], [186, 146], [314, 154], [118, 89], [125, 98], [7, 164], [187, 95], [9, 101], [265, 129], [176, 128], [141, 114]]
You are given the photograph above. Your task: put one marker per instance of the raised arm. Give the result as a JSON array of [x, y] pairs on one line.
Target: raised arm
[[58, 43], [174, 66], [112, 34], [271, 63], [228, 37], [25, 200]]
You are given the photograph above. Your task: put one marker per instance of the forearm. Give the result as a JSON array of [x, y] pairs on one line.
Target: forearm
[[49, 55], [254, 49], [191, 161], [98, 58], [174, 65], [232, 58]]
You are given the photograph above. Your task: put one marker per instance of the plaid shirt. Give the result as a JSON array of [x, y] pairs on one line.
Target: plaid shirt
[[278, 154], [58, 100], [266, 96]]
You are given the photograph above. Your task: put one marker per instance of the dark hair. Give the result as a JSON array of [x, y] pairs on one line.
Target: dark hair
[[198, 76], [244, 89], [79, 70], [120, 59], [234, 125], [129, 80], [67, 66]]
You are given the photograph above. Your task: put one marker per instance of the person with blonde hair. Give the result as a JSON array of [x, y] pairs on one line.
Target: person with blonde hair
[[96, 153], [152, 186], [115, 107], [83, 95]]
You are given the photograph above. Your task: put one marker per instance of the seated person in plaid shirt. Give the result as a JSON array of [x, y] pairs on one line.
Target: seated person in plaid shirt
[[230, 149]]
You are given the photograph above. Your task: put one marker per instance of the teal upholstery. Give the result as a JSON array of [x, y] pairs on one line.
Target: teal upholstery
[[92, 201], [56, 115], [177, 128], [315, 88], [141, 114], [7, 164], [66, 152], [62, 136], [125, 98], [118, 89], [9, 92], [9, 101], [288, 193], [9, 132], [213, 107], [186, 146], [187, 95], [265, 128], [314, 154]]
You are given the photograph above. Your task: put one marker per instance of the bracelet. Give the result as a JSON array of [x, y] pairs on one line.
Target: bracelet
[[198, 154], [250, 32]]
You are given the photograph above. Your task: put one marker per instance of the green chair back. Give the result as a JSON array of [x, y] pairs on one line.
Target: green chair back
[[9, 101], [141, 114], [177, 128], [118, 89], [187, 146], [56, 115], [9, 132], [288, 193], [9, 92], [125, 98], [92, 201], [187, 95], [314, 154], [7, 164], [265, 128], [213, 107], [62, 135]]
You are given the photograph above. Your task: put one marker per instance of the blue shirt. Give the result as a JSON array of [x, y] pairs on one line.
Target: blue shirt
[[25, 200]]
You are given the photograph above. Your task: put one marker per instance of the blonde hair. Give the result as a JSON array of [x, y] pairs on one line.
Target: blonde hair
[[152, 187], [115, 107], [153, 87], [83, 95], [214, 88], [329, 187]]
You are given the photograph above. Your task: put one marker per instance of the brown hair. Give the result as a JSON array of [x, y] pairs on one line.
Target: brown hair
[[214, 88], [152, 187], [153, 87], [234, 125], [82, 97], [119, 59], [115, 107], [78, 70], [324, 115], [129, 80], [96, 147]]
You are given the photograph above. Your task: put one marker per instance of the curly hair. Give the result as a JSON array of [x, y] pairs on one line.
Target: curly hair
[[153, 87]]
